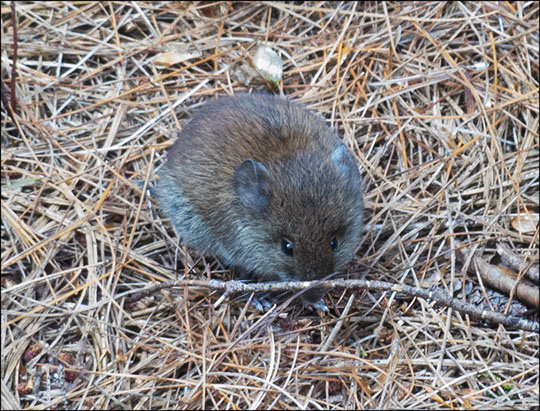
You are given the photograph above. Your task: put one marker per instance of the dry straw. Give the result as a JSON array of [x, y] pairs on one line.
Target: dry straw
[[439, 104]]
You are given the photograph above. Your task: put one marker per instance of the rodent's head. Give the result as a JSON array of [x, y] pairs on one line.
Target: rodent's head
[[305, 212]]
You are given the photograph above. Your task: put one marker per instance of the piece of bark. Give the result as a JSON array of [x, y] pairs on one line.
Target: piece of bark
[[497, 278], [518, 262]]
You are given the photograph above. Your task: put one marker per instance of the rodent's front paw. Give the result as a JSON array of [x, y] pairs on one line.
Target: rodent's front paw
[[260, 302], [320, 305]]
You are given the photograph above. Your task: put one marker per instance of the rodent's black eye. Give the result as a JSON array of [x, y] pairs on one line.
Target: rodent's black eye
[[287, 247], [333, 243]]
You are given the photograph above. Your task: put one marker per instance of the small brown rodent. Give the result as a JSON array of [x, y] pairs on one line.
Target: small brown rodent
[[264, 184]]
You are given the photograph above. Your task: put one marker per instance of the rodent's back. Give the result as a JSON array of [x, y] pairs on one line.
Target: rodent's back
[[251, 171], [227, 131]]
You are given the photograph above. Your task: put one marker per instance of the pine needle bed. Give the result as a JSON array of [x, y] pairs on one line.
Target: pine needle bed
[[439, 104]]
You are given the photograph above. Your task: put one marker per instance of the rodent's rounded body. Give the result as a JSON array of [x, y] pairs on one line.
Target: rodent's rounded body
[[264, 184]]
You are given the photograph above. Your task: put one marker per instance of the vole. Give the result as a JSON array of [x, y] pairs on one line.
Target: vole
[[266, 186]]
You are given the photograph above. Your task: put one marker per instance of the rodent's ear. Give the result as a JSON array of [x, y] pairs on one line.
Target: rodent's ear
[[344, 162], [252, 185]]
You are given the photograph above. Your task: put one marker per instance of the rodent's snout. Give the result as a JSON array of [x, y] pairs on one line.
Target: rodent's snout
[[313, 295]]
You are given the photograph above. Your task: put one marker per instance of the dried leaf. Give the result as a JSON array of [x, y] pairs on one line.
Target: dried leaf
[[525, 223], [178, 54], [269, 64]]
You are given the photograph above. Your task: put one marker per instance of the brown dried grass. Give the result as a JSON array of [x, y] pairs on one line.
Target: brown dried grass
[[439, 102]]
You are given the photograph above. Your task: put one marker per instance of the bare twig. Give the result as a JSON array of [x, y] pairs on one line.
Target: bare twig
[[434, 294], [13, 100]]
